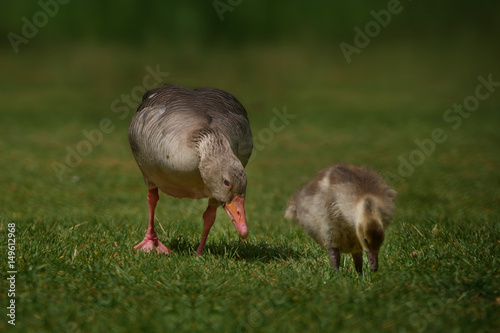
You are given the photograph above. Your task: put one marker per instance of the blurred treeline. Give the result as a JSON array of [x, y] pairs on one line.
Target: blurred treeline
[[138, 21]]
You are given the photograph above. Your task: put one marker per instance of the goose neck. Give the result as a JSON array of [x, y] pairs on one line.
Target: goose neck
[[211, 144]]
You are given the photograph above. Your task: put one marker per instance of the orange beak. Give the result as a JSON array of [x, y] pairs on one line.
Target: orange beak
[[236, 212]]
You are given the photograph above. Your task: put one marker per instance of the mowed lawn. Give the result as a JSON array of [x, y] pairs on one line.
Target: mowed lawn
[[78, 215]]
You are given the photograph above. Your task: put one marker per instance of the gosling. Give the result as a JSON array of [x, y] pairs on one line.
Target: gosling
[[346, 209]]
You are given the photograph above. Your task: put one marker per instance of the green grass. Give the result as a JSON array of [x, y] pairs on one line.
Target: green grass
[[78, 272]]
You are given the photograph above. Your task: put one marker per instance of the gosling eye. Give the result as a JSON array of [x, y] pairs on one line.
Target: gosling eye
[[227, 183]]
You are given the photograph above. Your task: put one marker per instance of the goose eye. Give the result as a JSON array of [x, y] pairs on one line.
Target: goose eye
[[227, 183]]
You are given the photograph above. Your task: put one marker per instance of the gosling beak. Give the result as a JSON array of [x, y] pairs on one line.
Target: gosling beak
[[236, 212], [373, 260]]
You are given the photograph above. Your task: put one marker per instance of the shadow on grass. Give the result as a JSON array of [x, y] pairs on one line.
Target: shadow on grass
[[238, 250]]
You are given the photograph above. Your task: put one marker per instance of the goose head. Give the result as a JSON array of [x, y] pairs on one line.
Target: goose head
[[371, 236], [370, 232], [225, 178]]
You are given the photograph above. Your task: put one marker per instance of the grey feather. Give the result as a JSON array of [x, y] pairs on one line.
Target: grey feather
[[171, 126]]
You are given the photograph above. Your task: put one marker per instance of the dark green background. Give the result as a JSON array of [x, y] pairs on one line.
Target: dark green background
[[77, 268], [197, 21]]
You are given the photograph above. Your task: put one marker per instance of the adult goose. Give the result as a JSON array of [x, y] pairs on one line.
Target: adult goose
[[192, 144], [346, 209]]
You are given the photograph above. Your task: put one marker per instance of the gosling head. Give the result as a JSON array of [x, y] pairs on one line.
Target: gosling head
[[370, 233], [226, 180], [369, 229]]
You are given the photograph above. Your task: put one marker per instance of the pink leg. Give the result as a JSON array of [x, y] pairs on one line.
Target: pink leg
[[151, 241], [208, 221]]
